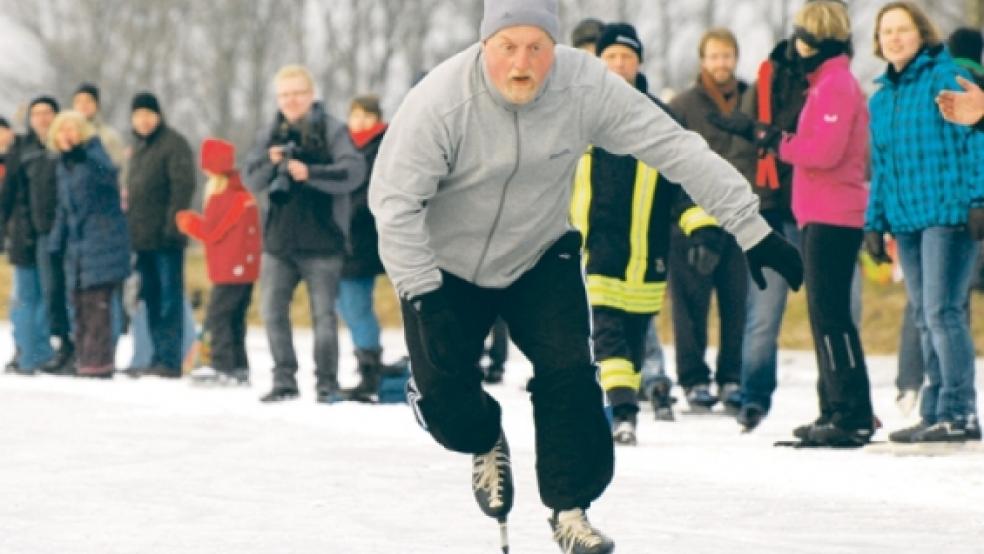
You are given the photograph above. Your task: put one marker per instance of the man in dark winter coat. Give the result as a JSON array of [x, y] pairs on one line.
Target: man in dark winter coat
[[160, 182], [306, 166], [623, 209], [708, 260], [471, 193], [27, 211]]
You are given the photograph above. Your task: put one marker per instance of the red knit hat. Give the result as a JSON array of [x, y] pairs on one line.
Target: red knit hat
[[218, 156]]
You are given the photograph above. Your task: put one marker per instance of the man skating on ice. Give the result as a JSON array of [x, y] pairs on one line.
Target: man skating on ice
[[471, 194]]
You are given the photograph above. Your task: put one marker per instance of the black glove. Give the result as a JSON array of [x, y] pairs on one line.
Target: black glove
[[705, 249], [975, 223], [763, 135], [874, 244], [737, 123], [437, 328], [775, 252]]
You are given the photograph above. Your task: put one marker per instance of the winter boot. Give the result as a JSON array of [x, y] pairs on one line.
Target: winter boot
[[700, 398], [575, 535], [624, 428], [370, 364], [659, 394], [905, 435], [749, 417], [943, 431], [973, 428], [830, 435], [63, 362], [13, 364], [492, 481], [730, 395]]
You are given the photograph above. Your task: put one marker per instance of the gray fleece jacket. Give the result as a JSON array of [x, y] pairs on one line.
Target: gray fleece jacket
[[469, 183]]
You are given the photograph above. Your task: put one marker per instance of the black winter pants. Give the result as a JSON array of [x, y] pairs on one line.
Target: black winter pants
[[546, 310], [225, 323], [690, 294], [620, 337], [830, 256]]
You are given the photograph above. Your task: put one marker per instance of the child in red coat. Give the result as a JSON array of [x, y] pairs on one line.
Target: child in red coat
[[230, 230]]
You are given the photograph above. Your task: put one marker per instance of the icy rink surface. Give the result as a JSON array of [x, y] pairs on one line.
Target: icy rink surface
[[154, 466]]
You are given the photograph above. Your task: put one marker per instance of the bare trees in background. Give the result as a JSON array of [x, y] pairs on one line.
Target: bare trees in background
[[212, 62]]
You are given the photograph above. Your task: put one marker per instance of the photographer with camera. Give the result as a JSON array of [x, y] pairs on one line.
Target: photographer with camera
[[305, 165]]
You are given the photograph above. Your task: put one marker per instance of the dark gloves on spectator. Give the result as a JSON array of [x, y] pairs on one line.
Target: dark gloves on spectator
[[975, 223], [705, 249], [775, 252], [763, 135], [874, 245]]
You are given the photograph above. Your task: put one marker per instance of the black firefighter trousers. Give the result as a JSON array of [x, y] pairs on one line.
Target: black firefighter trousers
[[546, 311]]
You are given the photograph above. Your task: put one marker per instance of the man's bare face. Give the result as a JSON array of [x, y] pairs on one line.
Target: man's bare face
[[518, 60]]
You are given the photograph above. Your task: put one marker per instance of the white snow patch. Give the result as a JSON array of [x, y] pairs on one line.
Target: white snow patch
[[156, 466]]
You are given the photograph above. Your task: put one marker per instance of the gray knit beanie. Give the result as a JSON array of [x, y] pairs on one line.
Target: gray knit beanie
[[500, 14]]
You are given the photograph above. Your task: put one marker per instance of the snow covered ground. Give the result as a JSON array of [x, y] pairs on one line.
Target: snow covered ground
[[153, 466]]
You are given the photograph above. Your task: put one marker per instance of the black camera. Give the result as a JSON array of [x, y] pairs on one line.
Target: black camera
[[282, 182]]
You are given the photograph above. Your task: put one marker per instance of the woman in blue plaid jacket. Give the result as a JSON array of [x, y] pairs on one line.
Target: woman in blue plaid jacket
[[927, 189]]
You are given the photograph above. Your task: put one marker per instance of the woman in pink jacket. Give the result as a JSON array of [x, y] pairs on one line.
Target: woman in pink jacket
[[829, 155]]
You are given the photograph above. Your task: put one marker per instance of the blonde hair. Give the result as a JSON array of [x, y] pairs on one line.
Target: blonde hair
[[216, 184], [825, 19], [86, 130], [719, 34], [927, 30], [292, 71]]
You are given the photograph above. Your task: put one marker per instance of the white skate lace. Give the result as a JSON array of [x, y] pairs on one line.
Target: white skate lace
[[573, 529], [487, 477]]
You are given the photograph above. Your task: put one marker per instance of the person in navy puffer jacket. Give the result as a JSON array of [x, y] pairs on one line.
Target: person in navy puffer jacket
[[90, 231], [927, 190]]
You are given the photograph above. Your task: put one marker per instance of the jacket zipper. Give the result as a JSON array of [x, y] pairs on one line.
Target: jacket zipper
[[502, 201]]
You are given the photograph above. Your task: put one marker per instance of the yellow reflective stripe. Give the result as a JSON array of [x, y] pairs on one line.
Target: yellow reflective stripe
[[643, 298], [694, 219], [581, 196], [642, 206], [618, 373]]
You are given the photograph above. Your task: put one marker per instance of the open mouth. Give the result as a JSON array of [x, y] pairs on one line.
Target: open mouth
[[522, 80]]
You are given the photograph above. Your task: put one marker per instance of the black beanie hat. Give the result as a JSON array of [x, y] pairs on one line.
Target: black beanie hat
[[44, 99], [4, 123], [619, 33], [146, 101], [90, 89], [966, 43], [586, 32]]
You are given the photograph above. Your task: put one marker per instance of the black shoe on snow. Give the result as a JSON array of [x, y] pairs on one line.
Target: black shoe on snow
[[906, 435], [730, 396], [370, 366], [329, 396], [803, 431], [208, 376], [659, 394], [11, 366], [279, 394], [575, 535], [973, 428], [624, 430], [830, 435], [700, 398], [161, 371], [943, 431], [749, 417], [492, 481], [63, 362]]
